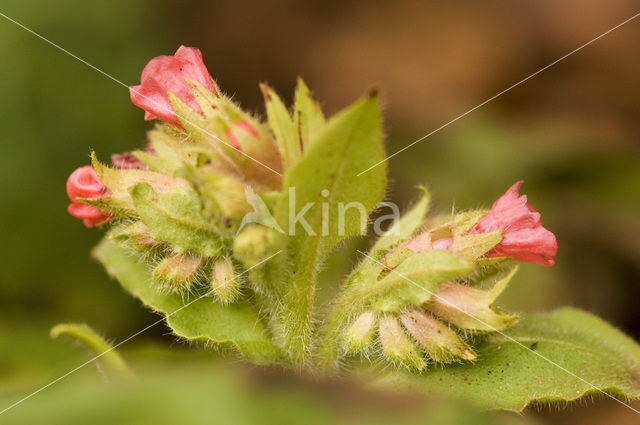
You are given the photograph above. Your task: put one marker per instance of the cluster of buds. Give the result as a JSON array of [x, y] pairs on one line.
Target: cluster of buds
[[198, 204], [421, 298], [182, 198]]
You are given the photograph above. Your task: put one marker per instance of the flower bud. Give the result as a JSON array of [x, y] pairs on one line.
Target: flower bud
[[224, 281], [176, 273], [257, 157], [525, 239], [255, 243], [359, 336], [137, 234], [471, 308], [239, 131], [397, 346], [127, 161], [84, 183], [165, 74], [439, 341]]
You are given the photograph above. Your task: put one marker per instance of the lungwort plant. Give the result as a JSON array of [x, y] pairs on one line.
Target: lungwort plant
[[222, 223]]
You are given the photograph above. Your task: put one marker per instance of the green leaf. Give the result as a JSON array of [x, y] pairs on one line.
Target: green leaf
[[282, 127], [234, 326], [415, 280], [325, 182], [512, 375], [308, 119], [406, 226], [175, 218], [112, 363]]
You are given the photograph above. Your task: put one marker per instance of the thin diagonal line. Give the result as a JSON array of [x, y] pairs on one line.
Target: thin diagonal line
[[134, 335], [496, 330], [501, 93], [62, 49]]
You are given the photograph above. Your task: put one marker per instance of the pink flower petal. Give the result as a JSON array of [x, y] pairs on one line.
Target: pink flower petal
[[524, 239], [164, 74]]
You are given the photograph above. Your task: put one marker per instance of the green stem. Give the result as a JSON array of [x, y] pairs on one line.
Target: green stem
[[330, 338]]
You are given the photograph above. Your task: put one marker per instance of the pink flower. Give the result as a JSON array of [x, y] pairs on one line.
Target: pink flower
[[168, 74], [127, 161], [524, 237], [84, 183], [239, 126]]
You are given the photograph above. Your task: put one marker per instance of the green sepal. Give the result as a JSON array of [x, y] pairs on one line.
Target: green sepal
[[359, 336], [222, 196], [175, 218], [194, 123], [440, 342], [176, 273], [282, 127], [225, 282], [169, 152], [119, 181], [471, 308], [405, 227], [416, 279], [397, 346], [136, 234], [473, 246], [464, 221], [308, 119]]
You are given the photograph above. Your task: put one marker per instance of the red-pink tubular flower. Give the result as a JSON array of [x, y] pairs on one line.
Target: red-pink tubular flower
[[84, 183], [127, 161], [243, 126], [524, 237], [167, 74]]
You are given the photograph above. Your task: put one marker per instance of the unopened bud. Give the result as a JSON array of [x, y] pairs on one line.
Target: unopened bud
[[241, 132], [176, 273], [397, 346], [359, 336], [137, 234], [471, 308], [439, 341], [224, 281], [255, 243]]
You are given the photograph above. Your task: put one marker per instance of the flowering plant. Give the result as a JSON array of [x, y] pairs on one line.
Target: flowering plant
[[222, 223]]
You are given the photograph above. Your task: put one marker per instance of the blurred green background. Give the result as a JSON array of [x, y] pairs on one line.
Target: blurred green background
[[572, 133]]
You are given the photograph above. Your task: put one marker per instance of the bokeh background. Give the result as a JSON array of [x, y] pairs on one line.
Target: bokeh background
[[572, 133]]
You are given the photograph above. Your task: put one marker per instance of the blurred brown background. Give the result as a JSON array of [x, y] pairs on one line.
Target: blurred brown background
[[572, 132]]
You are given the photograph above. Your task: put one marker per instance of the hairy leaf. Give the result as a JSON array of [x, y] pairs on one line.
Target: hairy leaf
[[333, 203], [588, 355], [205, 320]]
